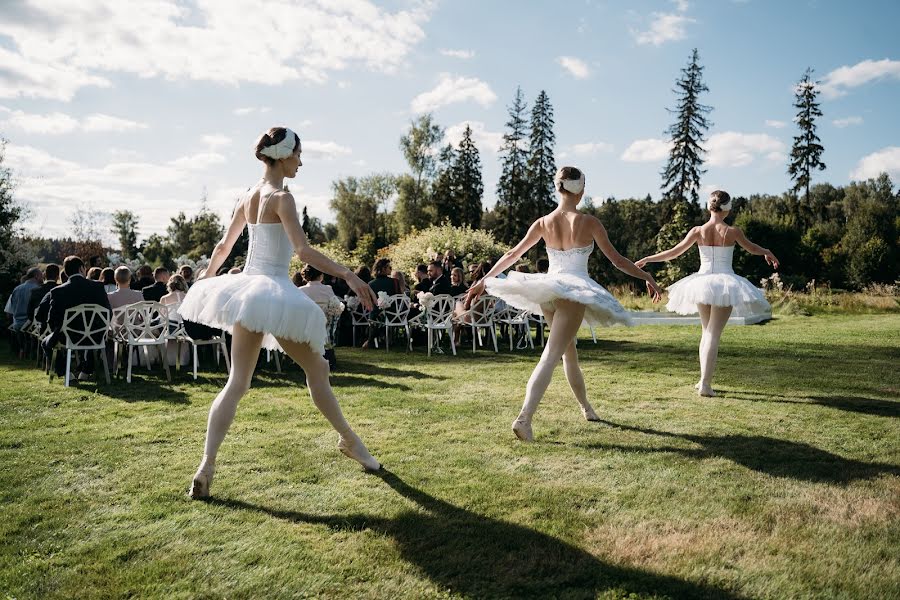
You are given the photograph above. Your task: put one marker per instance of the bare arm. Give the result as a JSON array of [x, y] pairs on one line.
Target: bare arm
[[286, 209], [601, 238], [689, 240], [507, 260], [224, 246], [756, 249]]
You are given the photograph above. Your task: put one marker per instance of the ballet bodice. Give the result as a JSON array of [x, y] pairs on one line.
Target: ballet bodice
[[574, 260], [269, 251], [716, 259]]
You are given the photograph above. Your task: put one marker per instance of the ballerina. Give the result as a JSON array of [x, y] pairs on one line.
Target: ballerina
[[715, 291], [261, 307], [566, 295]]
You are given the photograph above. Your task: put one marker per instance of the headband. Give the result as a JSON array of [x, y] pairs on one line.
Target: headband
[[574, 186], [284, 148], [726, 206]]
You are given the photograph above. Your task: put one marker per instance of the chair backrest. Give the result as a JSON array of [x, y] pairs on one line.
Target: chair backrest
[[396, 310], [358, 314], [84, 327], [482, 310], [440, 311], [511, 315], [146, 321]]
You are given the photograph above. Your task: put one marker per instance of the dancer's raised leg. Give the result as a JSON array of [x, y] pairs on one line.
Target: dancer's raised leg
[[574, 375], [709, 345], [316, 368], [245, 345], [566, 321]]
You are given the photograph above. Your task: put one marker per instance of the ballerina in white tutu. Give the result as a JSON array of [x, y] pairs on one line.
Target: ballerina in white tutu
[[261, 307], [566, 294], [715, 291]]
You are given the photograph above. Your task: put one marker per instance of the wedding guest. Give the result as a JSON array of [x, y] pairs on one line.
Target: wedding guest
[[471, 269], [401, 282], [94, 273], [297, 279], [440, 283], [176, 287], [123, 295], [423, 283], [17, 307], [51, 274], [523, 269], [457, 283], [187, 272], [144, 278], [157, 290], [314, 287], [383, 282], [450, 261], [107, 278], [364, 273]]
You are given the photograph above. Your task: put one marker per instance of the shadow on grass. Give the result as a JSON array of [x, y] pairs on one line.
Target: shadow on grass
[[856, 404], [153, 388], [475, 556], [778, 458]]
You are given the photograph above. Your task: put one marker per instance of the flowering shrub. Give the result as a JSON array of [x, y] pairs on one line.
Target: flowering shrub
[[473, 245]]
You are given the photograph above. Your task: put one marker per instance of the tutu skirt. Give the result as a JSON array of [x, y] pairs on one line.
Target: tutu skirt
[[532, 291], [268, 304], [716, 289]]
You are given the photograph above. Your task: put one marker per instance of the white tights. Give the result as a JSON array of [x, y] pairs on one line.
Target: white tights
[[564, 323], [245, 346], [713, 320]]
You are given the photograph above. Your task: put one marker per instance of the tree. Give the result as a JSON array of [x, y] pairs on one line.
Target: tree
[[681, 177], [87, 223], [205, 231], [14, 253], [443, 189], [158, 251], [418, 147], [179, 234], [304, 221], [467, 183], [512, 189], [669, 235], [125, 224], [806, 153], [356, 202], [541, 166]]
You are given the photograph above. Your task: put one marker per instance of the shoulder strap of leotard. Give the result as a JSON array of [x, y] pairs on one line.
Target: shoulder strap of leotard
[[262, 202]]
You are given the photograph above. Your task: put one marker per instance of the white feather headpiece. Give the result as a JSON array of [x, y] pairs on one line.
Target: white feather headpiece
[[574, 186], [282, 149]]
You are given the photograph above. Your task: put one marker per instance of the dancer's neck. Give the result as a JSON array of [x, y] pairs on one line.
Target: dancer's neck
[[276, 180]]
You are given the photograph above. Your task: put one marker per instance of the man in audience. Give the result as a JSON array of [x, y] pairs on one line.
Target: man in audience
[[76, 291], [123, 295], [424, 284], [143, 279], [187, 272], [17, 307], [440, 283], [51, 274], [383, 282], [156, 291]]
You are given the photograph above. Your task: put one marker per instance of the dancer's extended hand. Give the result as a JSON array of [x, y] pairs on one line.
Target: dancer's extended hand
[[362, 291], [653, 289], [474, 292], [770, 258], [640, 264]]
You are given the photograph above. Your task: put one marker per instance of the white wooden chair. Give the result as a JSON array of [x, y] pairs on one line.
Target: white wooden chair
[[145, 326], [517, 321], [439, 318], [84, 329], [480, 317]]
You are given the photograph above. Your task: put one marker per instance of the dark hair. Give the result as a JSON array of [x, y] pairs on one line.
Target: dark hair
[[382, 266], [159, 271], [310, 273], [297, 278], [94, 273], [717, 199], [436, 264], [523, 269], [144, 271], [72, 265], [567, 173], [177, 282], [51, 272], [273, 136], [364, 273], [108, 276], [188, 269], [421, 268]]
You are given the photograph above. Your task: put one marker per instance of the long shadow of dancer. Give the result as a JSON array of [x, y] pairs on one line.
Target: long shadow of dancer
[[476, 556], [779, 458]]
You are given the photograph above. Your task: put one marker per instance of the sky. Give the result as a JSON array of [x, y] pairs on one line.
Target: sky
[[148, 104]]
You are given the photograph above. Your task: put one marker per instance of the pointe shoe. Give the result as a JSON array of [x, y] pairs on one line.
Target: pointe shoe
[[353, 447], [589, 414], [705, 391], [522, 429], [200, 485]]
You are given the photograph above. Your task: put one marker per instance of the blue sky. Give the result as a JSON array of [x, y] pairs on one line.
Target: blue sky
[[143, 105]]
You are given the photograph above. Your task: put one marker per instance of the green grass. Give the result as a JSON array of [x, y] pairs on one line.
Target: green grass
[[786, 486]]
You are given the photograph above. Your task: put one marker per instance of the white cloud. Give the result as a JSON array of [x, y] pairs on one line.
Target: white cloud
[[665, 27], [775, 124], [247, 110], [886, 160], [576, 67], [649, 150], [839, 81], [56, 48], [323, 150], [450, 90], [484, 139], [681, 5], [734, 149], [61, 123], [591, 148], [847, 121], [215, 140], [463, 54]]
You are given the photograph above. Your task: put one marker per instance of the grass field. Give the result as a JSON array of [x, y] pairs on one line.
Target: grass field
[[786, 486]]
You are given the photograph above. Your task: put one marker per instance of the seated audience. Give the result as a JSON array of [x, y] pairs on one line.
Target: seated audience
[[523, 269], [177, 290], [401, 282], [157, 290], [187, 272], [94, 273], [108, 279], [143, 279], [297, 279], [51, 274], [17, 307], [383, 282], [123, 295], [317, 291], [423, 283], [440, 283], [457, 283]]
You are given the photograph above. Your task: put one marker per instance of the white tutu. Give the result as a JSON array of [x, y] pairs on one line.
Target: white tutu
[[567, 279], [717, 285], [262, 298]]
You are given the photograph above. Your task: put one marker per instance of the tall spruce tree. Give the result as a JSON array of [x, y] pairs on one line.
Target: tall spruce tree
[[442, 190], [467, 182], [541, 163], [512, 189], [806, 153], [304, 221], [681, 177]]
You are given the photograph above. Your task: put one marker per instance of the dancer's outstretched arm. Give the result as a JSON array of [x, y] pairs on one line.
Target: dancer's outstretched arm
[[756, 249], [674, 252], [598, 231], [286, 208], [507, 260], [224, 246]]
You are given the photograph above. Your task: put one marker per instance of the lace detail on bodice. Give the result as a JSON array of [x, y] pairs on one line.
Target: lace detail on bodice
[[269, 250], [716, 259], [573, 260]]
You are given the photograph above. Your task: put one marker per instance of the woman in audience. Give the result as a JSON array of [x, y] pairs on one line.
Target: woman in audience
[[177, 287], [94, 273], [401, 282], [108, 279], [457, 283]]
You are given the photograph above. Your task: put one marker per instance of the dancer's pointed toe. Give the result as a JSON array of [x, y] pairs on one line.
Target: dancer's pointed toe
[[352, 447], [589, 414], [200, 485], [522, 429], [705, 391]]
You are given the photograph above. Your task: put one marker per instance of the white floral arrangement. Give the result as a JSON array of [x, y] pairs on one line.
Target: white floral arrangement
[[426, 299], [352, 302], [335, 307], [383, 300]]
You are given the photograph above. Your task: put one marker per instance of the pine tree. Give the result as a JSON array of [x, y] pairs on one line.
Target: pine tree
[[806, 153], [541, 163], [442, 191], [467, 183], [512, 189], [304, 221], [681, 177]]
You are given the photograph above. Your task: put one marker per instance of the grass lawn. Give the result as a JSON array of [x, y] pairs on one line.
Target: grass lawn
[[786, 486]]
